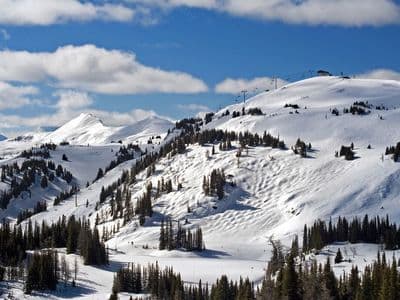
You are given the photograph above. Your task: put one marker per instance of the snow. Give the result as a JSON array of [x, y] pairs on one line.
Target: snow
[[87, 129], [272, 198]]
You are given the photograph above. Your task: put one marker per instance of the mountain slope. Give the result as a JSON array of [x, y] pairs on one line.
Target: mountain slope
[[275, 192], [88, 129]]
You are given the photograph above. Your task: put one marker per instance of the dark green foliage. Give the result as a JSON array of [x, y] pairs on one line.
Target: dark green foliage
[[395, 151], [214, 184], [347, 152], [15, 241], [90, 248], [99, 175], [338, 257], [65, 195], [377, 230], [208, 118], [22, 178], [294, 106], [301, 148], [44, 182], [166, 284], [124, 154], [25, 214], [42, 271], [255, 111], [180, 238]]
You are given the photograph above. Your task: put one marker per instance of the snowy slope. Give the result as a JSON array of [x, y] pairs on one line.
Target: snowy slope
[[273, 198], [88, 129]]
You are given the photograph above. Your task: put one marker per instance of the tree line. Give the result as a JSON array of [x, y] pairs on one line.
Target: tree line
[[167, 284], [73, 234], [180, 237], [376, 230]]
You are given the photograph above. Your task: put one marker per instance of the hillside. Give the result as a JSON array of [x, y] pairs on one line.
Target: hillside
[[270, 193], [87, 129]]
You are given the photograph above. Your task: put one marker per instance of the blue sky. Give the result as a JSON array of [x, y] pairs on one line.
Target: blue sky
[[178, 57]]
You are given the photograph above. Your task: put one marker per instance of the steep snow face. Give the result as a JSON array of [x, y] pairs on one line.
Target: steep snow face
[[84, 129]]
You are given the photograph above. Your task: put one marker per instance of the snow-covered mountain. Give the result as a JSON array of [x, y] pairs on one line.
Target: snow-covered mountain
[[88, 129], [275, 193]]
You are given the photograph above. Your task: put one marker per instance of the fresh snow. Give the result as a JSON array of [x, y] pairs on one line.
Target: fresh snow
[[273, 198]]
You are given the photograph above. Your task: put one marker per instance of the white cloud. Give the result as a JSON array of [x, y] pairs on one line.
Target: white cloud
[[4, 33], [258, 84], [312, 12], [381, 74], [94, 69], [46, 12], [193, 107], [70, 100], [12, 96], [69, 105]]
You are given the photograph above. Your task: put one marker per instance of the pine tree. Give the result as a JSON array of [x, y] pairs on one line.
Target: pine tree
[[291, 286], [43, 182], [338, 257]]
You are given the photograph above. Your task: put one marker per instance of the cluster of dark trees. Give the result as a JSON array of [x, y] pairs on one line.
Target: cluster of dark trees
[[42, 271], [347, 152], [73, 234], [180, 238], [143, 206], [27, 213], [147, 161], [356, 110], [251, 111], [301, 148], [294, 106], [244, 138], [43, 153], [395, 150], [65, 195], [166, 284], [189, 125], [124, 154], [163, 186], [21, 178], [214, 184], [88, 242], [255, 111], [121, 204], [288, 277], [376, 230], [208, 117]]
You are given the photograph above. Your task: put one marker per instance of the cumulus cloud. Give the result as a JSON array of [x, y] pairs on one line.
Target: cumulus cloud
[[46, 12], [70, 100], [94, 69], [69, 104], [312, 12], [258, 84], [12, 96], [381, 74]]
